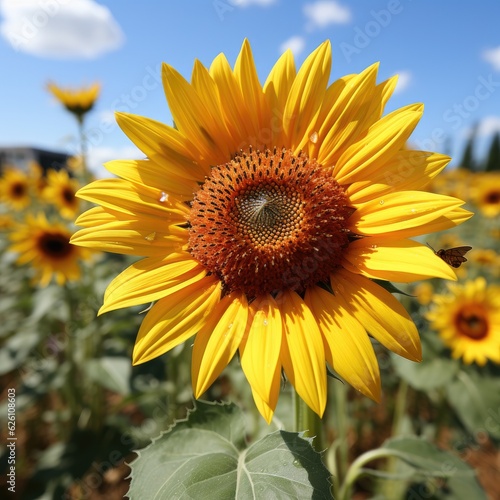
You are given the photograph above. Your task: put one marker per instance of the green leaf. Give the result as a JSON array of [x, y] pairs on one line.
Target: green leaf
[[17, 349], [49, 300], [476, 400], [205, 456], [433, 463], [433, 372], [111, 372]]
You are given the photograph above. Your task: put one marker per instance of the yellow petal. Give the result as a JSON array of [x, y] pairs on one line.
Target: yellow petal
[[341, 119], [395, 260], [322, 125], [218, 340], [380, 313], [163, 144], [207, 89], [276, 89], [167, 178], [401, 214], [123, 196], [348, 117], [151, 279], [261, 347], [97, 215], [130, 238], [192, 117], [234, 107], [113, 231], [264, 409], [383, 141], [303, 354], [174, 319], [347, 346], [306, 95], [251, 89], [408, 170], [451, 219]]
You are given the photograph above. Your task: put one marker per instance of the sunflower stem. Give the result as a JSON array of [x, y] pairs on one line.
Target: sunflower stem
[[390, 487], [342, 462], [83, 149], [399, 408], [308, 421]]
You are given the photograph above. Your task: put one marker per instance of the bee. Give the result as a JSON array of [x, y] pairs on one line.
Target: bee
[[453, 256]]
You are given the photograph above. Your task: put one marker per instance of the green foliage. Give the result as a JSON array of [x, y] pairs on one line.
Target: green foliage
[[434, 372], [492, 162], [475, 397], [468, 161], [446, 476], [206, 456]]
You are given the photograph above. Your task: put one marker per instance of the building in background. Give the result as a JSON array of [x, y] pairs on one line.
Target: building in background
[[22, 156]]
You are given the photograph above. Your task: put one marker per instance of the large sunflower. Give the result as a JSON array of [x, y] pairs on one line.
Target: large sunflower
[[15, 188], [468, 320], [60, 190], [264, 215], [46, 247]]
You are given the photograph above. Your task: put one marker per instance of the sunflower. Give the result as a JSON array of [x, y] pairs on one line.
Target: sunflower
[[77, 101], [48, 249], [60, 191], [468, 320], [486, 194], [264, 215], [15, 188]]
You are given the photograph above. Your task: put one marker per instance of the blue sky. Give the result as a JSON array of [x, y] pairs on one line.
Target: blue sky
[[447, 53]]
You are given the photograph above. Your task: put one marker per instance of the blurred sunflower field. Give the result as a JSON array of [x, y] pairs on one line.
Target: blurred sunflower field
[[91, 424]]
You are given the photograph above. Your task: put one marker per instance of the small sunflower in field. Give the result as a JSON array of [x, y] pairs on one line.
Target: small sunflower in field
[[15, 188], [486, 194], [60, 190], [467, 318], [46, 247], [77, 101], [264, 216]]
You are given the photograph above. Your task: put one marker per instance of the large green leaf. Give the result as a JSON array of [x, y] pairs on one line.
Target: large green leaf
[[433, 372], [111, 372], [17, 349], [205, 456], [447, 476], [476, 400]]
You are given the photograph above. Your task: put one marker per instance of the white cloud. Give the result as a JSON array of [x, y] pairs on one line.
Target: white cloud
[[295, 43], [488, 126], [325, 12], [99, 155], [60, 29], [493, 57], [404, 80]]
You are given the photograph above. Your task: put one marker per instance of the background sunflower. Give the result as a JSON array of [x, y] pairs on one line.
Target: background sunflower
[[468, 320], [46, 247]]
